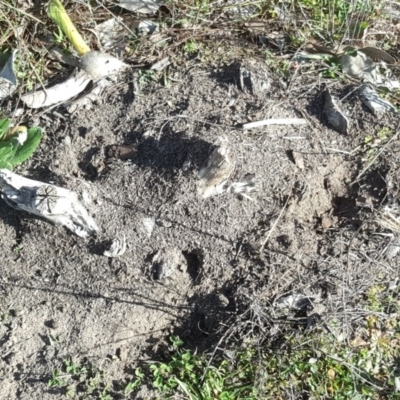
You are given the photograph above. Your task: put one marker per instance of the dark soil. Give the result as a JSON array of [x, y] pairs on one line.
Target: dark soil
[[60, 297]]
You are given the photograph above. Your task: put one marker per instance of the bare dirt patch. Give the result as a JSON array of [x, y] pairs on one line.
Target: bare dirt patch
[[187, 258]]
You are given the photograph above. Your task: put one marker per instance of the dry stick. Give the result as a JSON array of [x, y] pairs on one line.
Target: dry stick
[[313, 127], [18, 37], [22, 12], [344, 291], [229, 332], [354, 236]]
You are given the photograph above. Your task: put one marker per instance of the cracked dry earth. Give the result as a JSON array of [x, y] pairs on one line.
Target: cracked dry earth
[[187, 257]]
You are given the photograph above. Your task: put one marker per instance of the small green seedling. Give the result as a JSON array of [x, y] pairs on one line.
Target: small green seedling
[[131, 386], [74, 369], [145, 76], [59, 36], [374, 142], [57, 380], [191, 47]]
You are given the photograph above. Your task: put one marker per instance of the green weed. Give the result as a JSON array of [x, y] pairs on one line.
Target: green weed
[[17, 144], [189, 373], [372, 143], [146, 76], [76, 378], [331, 20], [30, 69], [132, 386], [191, 47], [57, 380], [318, 366]]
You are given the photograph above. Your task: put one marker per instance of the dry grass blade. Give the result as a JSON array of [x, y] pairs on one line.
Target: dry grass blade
[[21, 11]]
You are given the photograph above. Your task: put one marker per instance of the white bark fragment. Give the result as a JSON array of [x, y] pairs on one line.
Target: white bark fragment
[[249, 184], [141, 6], [334, 114], [148, 225], [374, 102], [161, 65], [93, 96], [54, 204], [94, 65], [118, 248], [276, 121], [100, 65], [213, 177], [359, 66], [60, 93]]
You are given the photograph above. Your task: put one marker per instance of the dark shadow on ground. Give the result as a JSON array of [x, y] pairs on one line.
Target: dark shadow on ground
[[12, 217], [169, 154], [205, 315], [227, 75]]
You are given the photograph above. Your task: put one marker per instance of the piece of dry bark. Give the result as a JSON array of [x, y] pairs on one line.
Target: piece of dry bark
[[334, 114], [374, 102], [217, 170], [254, 78], [118, 248], [122, 151], [54, 204]]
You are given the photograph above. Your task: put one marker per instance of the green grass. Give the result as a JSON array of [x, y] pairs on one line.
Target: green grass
[[314, 364], [190, 374], [332, 20], [372, 143], [204, 30]]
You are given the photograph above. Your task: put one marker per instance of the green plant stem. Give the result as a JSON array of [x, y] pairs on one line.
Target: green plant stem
[[58, 14]]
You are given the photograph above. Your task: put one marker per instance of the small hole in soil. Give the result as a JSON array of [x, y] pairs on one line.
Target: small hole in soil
[[194, 260], [344, 206], [99, 247], [289, 153], [118, 353], [284, 240]]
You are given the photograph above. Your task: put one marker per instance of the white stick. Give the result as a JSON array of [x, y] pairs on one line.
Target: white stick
[[276, 121]]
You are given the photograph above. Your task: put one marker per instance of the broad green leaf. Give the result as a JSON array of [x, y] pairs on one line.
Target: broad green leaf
[[6, 152], [4, 125], [5, 146], [26, 150], [5, 164]]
